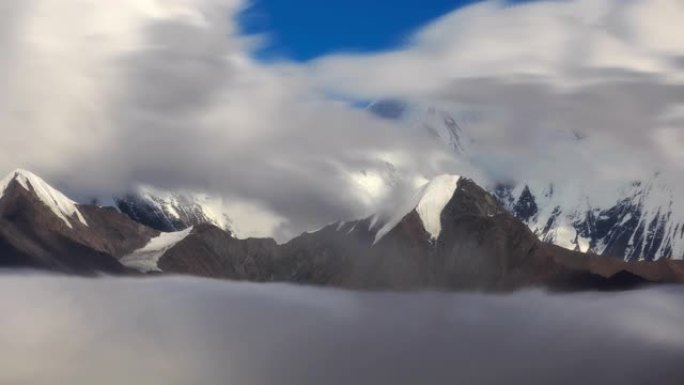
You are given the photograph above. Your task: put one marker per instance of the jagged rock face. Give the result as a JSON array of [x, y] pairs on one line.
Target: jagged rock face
[[148, 214], [526, 207], [409, 256], [480, 246], [211, 252], [634, 227], [641, 225], [321, 258], [455, 236], [168, 212], [480, 241], [326, 257], [113, 232]]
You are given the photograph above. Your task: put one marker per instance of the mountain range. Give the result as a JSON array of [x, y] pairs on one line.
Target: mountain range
[[451, 235], [638, 220], [634, 219]]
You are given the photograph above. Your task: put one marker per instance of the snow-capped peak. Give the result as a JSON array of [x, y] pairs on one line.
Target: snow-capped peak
[[57, 202], [429, 202]]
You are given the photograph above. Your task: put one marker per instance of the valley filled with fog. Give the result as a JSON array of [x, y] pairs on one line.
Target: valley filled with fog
[[175, 330]]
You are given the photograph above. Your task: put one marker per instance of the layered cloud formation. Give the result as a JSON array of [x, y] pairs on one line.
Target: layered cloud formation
[[610, 72], [100, 97]]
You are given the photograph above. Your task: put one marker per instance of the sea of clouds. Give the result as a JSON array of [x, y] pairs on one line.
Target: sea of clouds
[[71, 331]]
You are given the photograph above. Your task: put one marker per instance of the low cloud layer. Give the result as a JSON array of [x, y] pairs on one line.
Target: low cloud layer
[[58, 330], [99, 97]]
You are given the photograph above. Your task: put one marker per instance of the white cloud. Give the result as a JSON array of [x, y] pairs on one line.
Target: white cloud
[[99, 97], [538, 74], [561, 43], [103, 96]]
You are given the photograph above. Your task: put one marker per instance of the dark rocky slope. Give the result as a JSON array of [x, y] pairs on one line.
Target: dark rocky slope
[[481, 246], [31, 235]]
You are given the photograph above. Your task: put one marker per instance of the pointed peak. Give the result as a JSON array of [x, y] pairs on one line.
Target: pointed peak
[[429, 202], [24, 173], [57, 202], [24, 177], [17, 172]]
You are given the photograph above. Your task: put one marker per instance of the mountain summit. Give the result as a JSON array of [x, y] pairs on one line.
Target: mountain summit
[[428, 204], [40, 227], [58, 203]]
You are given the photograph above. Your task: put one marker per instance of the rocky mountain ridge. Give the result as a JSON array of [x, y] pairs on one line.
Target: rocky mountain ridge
[[453, 235]]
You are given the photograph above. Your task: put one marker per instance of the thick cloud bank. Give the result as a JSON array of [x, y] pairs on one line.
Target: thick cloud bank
[[540, 74], [71, 331], [99, 95]]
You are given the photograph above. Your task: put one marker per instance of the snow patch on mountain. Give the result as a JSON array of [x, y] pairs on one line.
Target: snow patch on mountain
[[435, 197], [57, 202], [429, 202], [171, 211], [146, 259]]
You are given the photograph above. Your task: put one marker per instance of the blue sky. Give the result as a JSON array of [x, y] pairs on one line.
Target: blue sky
[[305, 29]]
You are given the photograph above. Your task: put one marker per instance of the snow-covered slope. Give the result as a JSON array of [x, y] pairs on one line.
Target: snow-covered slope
[[645, 220], [58, 203], [435, 197], [170, 211], [167, 211], [428, 202], [146, 258]]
